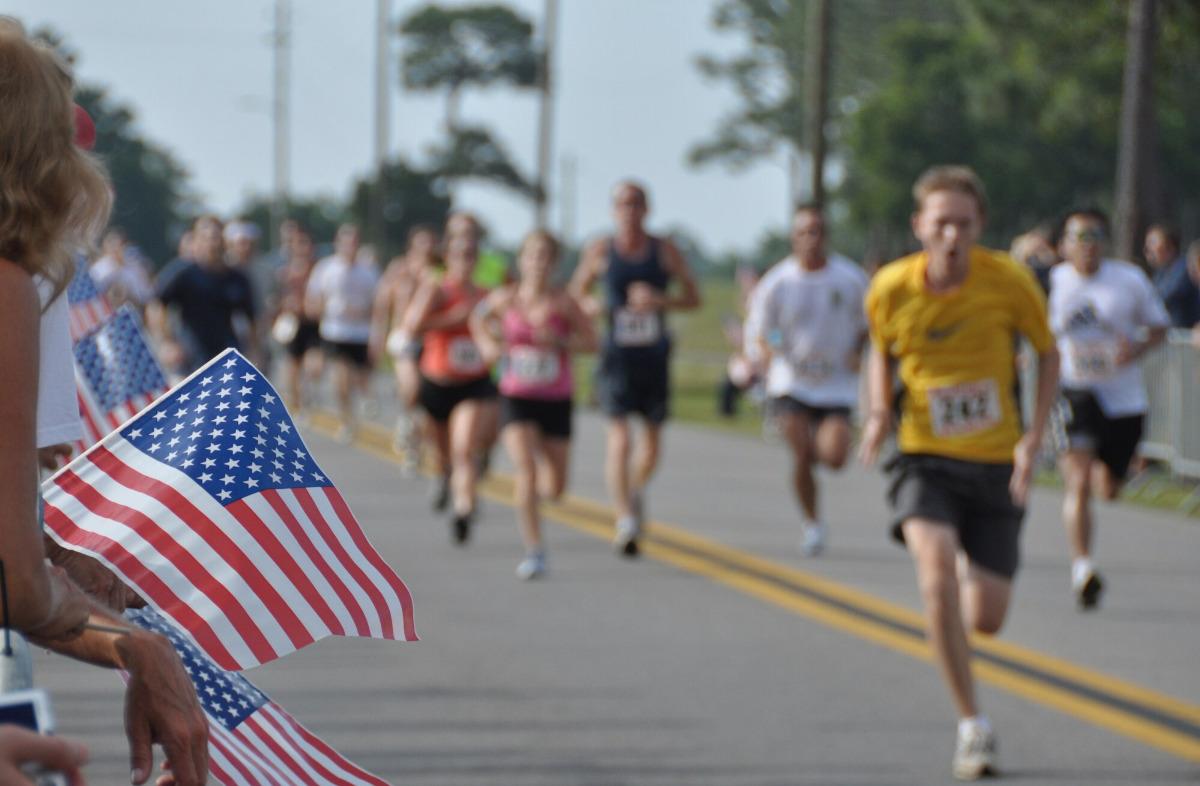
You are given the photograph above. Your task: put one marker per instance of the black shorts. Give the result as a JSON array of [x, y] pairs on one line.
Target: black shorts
[[1113, 441], [552, 417], [439, 400], [308, 336], [970, 496], [790, 405], [627, 384], [350, 351]]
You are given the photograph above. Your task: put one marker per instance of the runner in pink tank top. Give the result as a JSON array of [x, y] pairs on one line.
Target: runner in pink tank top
[[535, 328], [533, 370]]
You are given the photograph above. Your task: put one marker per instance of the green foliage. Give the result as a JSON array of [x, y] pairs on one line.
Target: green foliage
[[480, 46], [769, 77], [473, 153], [152, 202], [1029, 94], [410, 197]]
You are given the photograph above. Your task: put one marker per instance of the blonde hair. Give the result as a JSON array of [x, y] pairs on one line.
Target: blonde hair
[[961, 179], [54, 197]]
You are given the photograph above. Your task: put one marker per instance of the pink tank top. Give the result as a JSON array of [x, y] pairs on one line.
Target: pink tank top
[[532, 371]]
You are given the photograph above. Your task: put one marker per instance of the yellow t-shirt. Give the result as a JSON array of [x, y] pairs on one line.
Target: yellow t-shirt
[[956, 352]]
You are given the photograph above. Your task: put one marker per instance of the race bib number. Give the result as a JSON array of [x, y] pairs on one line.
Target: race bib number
[[533, 366], [813, 369], [464, 357], [961, 410], [1093, 361], [634, 329]]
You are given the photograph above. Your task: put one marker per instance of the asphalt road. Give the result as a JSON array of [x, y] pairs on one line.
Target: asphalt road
[[721, 656]]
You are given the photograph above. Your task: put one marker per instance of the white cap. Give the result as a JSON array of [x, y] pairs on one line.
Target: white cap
[[241, 230]]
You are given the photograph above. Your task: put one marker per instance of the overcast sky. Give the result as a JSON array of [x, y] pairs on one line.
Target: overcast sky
[[630, 102]]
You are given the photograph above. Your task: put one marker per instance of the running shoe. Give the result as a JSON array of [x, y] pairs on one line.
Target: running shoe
[[460, 528], [439, 496], [626, 540], [1088, 591], [975, 754], [812, 543], [532, 567]]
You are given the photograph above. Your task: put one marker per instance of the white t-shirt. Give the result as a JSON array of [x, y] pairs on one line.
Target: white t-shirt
[[348, 291], [1089, 314], [814, 321], [57, 406]]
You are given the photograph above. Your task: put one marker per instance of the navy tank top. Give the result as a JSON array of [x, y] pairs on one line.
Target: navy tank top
[[632, 333]]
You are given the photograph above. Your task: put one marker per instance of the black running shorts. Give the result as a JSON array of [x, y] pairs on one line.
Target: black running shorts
[[1113, 441], [970, 496], [790, 405], [439, 400], [552, 417], [629, 384]]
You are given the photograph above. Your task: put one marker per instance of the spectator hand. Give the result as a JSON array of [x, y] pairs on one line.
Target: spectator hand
[[161, 707], [50, 456], [19, 747], [97, 580]]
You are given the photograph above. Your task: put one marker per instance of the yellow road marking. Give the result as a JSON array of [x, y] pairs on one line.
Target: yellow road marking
[[787, 588]]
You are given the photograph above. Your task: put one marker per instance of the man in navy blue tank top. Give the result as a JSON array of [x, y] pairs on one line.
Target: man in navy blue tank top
[[633, 377]]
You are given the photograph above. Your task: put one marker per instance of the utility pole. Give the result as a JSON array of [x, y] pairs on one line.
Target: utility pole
[[383, 105], [819, 25], [1137, 146], [568, 167], [545, 113], [280, 114]]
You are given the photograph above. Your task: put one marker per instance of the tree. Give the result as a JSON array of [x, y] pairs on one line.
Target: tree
[[1031, 103], [452, 49], [410, 197], [769, 77], [153, 201], [474, 153]]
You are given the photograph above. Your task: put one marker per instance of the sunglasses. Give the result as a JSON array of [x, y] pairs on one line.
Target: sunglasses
[[1087, 236]]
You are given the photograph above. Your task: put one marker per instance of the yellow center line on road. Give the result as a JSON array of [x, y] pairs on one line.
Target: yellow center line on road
[[1131, 710]]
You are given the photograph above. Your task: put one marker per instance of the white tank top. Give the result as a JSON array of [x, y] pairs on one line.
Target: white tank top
[[57, 406]]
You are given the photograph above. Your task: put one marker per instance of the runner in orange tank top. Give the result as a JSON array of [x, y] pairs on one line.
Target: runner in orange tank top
[[456, 387]]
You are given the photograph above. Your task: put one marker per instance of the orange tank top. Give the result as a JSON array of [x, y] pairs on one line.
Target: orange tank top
[[451, 355]]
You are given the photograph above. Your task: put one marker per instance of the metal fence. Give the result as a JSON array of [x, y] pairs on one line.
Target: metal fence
[[1173, 422]]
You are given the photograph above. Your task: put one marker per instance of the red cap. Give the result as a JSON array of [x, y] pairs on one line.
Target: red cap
[[85, 129]]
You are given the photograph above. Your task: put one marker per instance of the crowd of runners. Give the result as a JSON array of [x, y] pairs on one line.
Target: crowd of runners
[[485, 356]]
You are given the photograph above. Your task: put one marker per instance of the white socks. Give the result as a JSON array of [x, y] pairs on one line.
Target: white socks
[[977, 722], [1081, 568]]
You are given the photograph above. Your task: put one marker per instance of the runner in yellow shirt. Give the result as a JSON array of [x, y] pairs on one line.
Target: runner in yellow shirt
[[947, 317]]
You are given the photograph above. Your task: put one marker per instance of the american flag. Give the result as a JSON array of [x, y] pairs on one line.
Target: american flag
[[252, 741], [89, 308], [209, 504], [116, 376]]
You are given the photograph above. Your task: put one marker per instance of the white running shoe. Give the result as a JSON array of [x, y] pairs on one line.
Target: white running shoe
[[532, 567], [975, 753], [812, 543], [626, 539], [1088, 589]]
